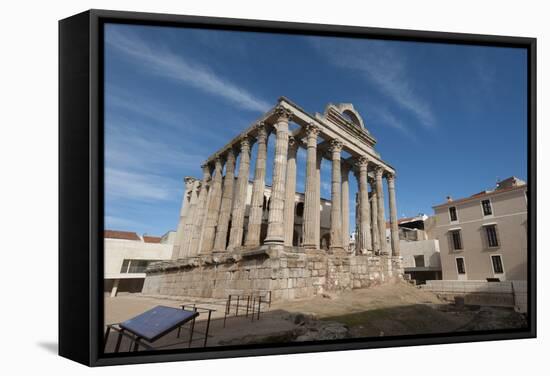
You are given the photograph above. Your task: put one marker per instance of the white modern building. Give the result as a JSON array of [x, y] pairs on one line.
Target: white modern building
[[127, 255]]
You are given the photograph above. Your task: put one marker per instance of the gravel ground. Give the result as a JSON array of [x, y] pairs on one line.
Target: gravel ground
[[387, 310]]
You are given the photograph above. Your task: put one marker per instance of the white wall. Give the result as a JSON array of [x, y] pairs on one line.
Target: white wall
[[428, 248], [116, 250]]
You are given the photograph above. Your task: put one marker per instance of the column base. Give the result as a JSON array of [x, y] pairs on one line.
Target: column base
[[274, 241]]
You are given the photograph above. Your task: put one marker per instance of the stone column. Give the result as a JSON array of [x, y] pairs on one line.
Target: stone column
[[311, 201], [258, 188], [393, 215], [201, 211], [183, 213], [318, 202], [190, 220], [239, 206], [213, 212], [227, 200], [379, 171], [358, 243], [364, 226], [290, 191], [374, 217], [275, 226], [345, 207], [336, 197]]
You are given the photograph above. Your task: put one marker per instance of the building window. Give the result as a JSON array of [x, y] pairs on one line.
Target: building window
[[134, 266], [487, 209], [460, 266], [492, 238], [452, 214], [456, 239], [497, 264], [124, 268], [419, 261]]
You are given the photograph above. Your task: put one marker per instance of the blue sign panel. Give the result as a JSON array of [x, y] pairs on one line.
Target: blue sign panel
[[153, 324]]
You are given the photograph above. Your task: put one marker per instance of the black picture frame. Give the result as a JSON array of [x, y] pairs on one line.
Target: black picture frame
[[81, 185]]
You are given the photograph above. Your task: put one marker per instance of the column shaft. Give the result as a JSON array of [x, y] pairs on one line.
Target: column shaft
[[336, 197], [364, 206], [345, 207], [290, 191], [239, 206], [317, 211], [190, 220], [258, 188], [311, 202], [201, 212], [381, 216], [374, 218], [214, 203], [183, 213], [393, 216], [220, 241], [275, 226]]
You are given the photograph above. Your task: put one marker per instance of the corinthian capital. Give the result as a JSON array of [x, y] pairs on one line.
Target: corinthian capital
[[335, 146], [362, 162], [390, 177], [283, 113], [189, 182], [292, 145], [312, 130], [379, 172], [261, 132], [244, 144]]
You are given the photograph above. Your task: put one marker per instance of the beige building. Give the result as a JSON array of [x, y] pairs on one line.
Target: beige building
[[420, 251], [484, 236], [127, 255]]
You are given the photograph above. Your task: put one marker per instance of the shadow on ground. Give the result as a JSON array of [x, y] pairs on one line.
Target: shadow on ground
[[428, 319], [51, 347]]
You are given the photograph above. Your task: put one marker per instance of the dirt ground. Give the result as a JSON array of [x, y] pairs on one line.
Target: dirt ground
[[386, 310]]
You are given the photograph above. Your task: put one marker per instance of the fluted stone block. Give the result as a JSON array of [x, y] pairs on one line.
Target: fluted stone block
[[275, 225], [226, 204], [336, 197], [393, 216], [214, 203], [201, 212], [374, 218], [381, 216], [258, 187], [290, 191], [190, 220], [311, 202], [183, 213], [318, 202], [345, 207], [239, 206], [364, 226]]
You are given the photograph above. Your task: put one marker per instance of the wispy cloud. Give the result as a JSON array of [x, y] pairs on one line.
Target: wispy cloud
[[140, 186], [161, 61], [386, 117], [484, 73], [130, 150], [118, 222], [117, 98], [384, 67]]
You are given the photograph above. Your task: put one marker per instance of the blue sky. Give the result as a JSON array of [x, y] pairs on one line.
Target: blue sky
[[450, 119]]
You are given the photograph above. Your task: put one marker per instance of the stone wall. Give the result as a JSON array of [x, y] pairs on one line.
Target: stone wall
[[288, 273], [503, 294]]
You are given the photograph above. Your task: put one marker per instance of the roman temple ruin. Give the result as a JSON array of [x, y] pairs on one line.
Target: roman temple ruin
[[240, 237]]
